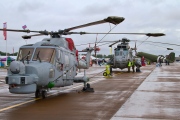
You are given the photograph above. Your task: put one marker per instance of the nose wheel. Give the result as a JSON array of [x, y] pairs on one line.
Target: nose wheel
[[42, 93], [37, 94]]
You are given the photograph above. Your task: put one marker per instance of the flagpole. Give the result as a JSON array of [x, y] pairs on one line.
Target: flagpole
[[6, 52], [13, 51], [6, 47], [5, 37]]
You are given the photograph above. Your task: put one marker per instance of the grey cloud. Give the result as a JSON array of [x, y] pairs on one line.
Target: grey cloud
[[140, 16]]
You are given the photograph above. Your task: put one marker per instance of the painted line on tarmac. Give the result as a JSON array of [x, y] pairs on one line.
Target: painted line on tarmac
[[10, 107], [2, 81], [13, 106], [118, 73]]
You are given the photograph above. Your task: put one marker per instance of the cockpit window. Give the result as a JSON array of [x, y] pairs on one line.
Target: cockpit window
[[44, 54], [25, 53], [116, 52], [125, 52]]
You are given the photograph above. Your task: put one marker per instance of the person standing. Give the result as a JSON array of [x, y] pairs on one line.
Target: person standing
[[133, 64], [167, 62], [129, 65], [160, 62], [143, 61], [111, 70]]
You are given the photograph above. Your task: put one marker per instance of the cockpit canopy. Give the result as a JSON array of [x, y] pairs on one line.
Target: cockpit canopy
[[32, 54]]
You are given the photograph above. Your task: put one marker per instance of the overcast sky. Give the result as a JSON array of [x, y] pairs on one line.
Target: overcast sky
[[148, 16]]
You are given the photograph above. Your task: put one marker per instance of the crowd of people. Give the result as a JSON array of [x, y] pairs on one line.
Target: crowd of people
[[99, 62], [160, 61]]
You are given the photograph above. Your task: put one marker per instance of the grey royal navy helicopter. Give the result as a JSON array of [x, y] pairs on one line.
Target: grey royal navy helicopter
[[52, 62], [123, 52]]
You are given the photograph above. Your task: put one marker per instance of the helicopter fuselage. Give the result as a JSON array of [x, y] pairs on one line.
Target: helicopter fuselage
[[122, 53], [121, 56], [43, 65]]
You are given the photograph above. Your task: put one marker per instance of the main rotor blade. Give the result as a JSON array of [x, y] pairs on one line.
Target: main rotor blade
[[111, 19], [145, 42], [16, 30], [115, 43], [104, 44], [95, 42], [155, 34], [28, 31], [157, 42], [29, 36], [147, 34], [169, 49]]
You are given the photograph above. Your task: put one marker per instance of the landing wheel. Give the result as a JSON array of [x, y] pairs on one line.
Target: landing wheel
[[88, 88], [44, 94], [37, 94], [105, 74], [88, 85]]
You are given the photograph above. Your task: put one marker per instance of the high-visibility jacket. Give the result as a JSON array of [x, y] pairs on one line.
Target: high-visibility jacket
[[108, 69], [129, 64], [133, 63]]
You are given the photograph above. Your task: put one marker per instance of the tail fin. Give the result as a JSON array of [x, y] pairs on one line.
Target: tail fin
[[84, 64], [171, 57]]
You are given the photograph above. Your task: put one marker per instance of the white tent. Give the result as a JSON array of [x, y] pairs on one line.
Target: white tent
[[93, 58], [14, 57]]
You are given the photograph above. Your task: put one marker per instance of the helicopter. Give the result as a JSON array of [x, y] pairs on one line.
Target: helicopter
[[52, 62], [123, 53]]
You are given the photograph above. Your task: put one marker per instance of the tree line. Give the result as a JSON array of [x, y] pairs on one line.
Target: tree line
[[15, 54], [8, 54]]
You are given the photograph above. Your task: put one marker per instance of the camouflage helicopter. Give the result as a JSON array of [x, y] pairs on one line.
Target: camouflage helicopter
[[51, 62]]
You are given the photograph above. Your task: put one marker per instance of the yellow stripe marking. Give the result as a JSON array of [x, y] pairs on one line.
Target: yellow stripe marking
[[7, 108], [13, 106]]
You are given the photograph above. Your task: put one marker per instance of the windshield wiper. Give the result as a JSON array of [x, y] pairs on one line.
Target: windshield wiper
[[38, 56], [27, 57]]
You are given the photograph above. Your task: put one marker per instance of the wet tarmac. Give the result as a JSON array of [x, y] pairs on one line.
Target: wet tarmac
[[123, 96], [158, 97]]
